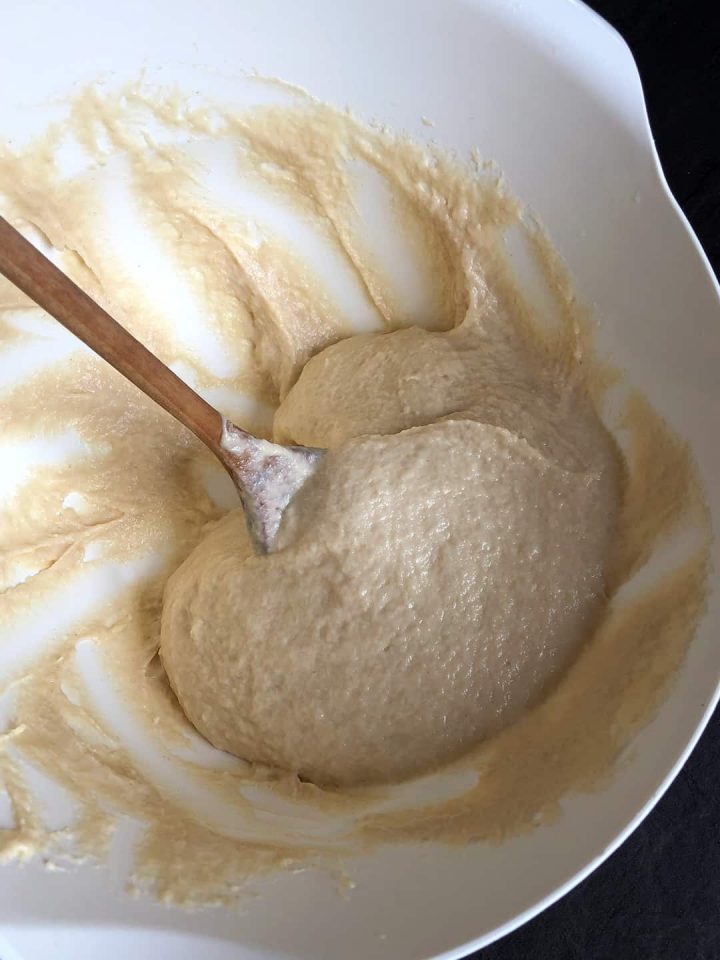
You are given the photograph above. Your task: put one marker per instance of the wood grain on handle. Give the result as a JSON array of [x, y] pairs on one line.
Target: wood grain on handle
[[56, 293]]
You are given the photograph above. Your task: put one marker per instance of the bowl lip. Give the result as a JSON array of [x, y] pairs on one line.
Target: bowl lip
[[456, 953]]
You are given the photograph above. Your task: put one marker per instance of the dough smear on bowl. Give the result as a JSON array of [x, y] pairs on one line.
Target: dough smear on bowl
[[432, 577], [474, 572]]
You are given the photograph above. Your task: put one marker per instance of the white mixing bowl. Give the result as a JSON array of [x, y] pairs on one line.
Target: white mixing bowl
[[550, 92]]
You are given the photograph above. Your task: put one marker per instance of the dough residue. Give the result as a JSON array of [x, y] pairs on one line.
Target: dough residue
[[166, 210]]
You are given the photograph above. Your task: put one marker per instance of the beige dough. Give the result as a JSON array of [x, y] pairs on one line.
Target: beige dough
[[427, 584], [140, 493]]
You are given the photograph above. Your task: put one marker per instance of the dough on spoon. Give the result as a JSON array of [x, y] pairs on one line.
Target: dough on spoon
[[428, 584]]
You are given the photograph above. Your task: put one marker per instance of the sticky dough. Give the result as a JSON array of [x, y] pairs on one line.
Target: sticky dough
[[270, 332], [430, 580]]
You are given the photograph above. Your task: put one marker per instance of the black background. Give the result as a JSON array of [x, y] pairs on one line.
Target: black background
[[658, 897]]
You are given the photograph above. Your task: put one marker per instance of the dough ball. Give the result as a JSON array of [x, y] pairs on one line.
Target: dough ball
[[426, 587]]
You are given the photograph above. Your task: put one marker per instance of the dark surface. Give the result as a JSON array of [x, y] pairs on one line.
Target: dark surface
[[658, 896]]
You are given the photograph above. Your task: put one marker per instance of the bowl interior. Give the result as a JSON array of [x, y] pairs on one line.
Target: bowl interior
[[552, 95]]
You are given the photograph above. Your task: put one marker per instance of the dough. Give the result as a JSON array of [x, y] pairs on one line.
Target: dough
[[139, 493], [431, 578]]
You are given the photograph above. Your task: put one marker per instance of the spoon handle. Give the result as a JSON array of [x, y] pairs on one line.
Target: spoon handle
[[56, 293]]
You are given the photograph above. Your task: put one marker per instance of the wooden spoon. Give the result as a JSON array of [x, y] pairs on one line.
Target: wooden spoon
[[267, 475]]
